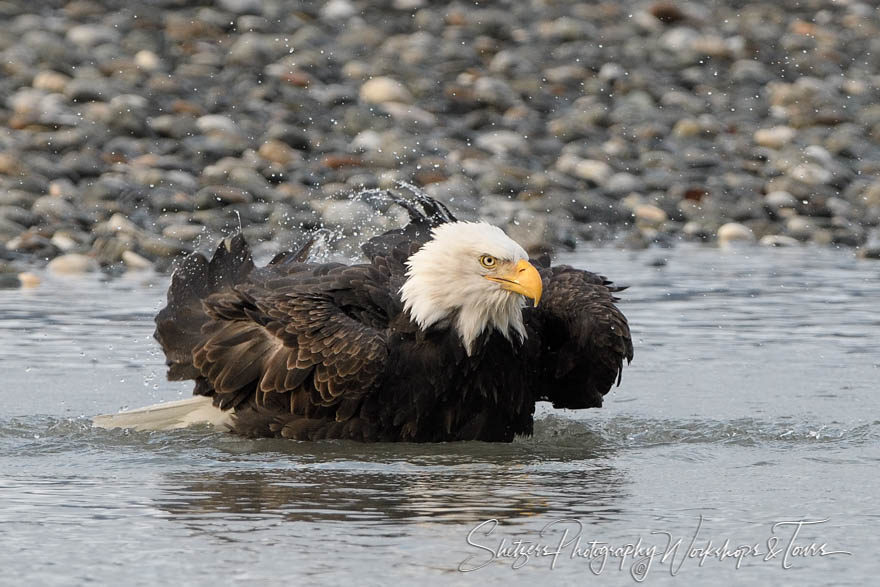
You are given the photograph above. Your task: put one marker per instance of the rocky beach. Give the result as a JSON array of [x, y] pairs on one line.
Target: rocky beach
[[133, 133]]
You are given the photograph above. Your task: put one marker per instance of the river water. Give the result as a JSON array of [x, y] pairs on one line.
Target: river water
[[752, 400]]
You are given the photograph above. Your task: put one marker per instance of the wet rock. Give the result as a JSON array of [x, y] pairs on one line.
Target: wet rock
[[667, 12], [90, 35], [10, 164], [800, 227], [148, 61], [50, 207], [217, 123], [566, 29], [161, 246], [29, 280], [687, 127], [170, 125], [292, 136], [217, 196], [410, 115], [135, 262], [811, 174], [338, 10], [679, 40], [774, 138], [871, 249], [33, 243], [622, 183], [649, 215], [869, 252], [503, 143], [64, 242], [108, 250], [279, 152], [694, 230], [807, 102], [184, 232], [384, 89], [778, 240], [780, 199], [51, 81], [9, 229], [822, 236], [253, 49], [242, 6], [116, 224], [18, 215], [733, 232], [494, 92], [88, 90], [8, 278], [593, 170], [72, 264]]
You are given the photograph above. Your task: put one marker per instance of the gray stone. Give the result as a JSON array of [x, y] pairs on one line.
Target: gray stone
[[776, 137], [384, 89], [800, 227], [503, 142], [241, 6], [217, 123], [494, 92], [811, 174], [9, 229], [184, 232], [88, 90], [89, 35], [72, 264], [733, 232], [778, 240], [135, 262], [52, 207], [780, 199], [216, 196], [338, 10]]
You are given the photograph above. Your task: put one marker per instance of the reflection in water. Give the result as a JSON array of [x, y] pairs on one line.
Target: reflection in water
[[451, 483], [464, 496]]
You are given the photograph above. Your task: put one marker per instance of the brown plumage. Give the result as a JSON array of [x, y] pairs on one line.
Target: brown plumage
[[310, 351]]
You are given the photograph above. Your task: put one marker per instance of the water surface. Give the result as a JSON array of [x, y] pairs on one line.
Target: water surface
[[752, 400]]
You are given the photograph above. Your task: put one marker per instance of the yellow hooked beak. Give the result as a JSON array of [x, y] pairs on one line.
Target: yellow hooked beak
[[524, 280]]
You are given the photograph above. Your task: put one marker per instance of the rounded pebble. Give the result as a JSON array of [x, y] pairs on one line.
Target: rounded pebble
[[72, 264], [733, 232], [384, 89]]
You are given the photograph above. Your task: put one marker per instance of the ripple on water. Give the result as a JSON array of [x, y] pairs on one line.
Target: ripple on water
[[556, 437]]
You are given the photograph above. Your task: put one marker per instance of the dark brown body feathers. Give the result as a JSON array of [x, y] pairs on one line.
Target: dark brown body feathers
[[311, 351]]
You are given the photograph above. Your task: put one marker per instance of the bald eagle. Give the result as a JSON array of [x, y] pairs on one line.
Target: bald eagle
[[429, 340]]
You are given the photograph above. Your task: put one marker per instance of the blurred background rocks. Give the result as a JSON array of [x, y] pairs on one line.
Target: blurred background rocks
[[132, 133]]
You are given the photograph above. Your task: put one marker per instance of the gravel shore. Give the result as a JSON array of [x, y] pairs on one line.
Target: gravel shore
[[132, 133]]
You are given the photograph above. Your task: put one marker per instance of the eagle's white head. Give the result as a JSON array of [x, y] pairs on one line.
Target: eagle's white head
[[474, 272]]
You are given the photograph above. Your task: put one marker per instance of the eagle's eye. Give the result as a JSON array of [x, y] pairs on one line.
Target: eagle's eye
[[488, 261]]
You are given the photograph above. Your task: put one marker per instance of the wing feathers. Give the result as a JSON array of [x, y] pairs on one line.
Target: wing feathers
[[315, 332], [585, 336], [301, 350]]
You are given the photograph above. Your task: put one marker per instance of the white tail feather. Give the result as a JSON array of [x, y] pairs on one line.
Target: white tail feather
[[169, 416]]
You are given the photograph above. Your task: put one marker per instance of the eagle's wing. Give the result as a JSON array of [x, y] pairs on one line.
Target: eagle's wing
[[584, 338], [179, 323], [292, 339], [395, 246]]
